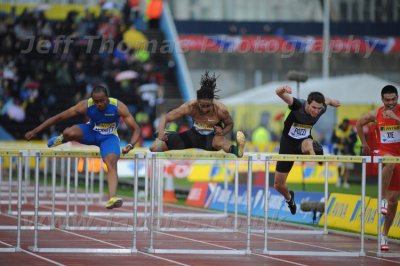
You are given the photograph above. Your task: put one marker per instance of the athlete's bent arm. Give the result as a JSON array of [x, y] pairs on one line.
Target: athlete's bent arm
[[365, 119], [227, 121], [171, 116], [332, 102], [284, 93], [131, 123], [79, 108]]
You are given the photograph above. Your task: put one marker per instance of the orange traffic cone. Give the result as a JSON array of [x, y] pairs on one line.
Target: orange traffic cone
[[169, 191]]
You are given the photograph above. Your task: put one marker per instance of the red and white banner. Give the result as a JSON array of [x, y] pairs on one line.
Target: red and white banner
[[287, 44]]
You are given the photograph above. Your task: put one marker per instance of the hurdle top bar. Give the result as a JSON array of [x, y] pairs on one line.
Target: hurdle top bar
[[386, 159], [10, 153], [194, 154], [315, 158]]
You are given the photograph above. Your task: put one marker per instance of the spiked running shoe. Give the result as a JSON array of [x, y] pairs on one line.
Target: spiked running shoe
[[114, 202], [384, 243], [55, 141], [241, 143], [384, 207], [292, 204]]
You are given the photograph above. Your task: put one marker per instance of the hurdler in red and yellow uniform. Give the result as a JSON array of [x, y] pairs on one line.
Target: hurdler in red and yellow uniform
[[387, 131]]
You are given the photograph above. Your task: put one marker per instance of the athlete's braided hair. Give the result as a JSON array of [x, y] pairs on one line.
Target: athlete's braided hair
[[208, 87]]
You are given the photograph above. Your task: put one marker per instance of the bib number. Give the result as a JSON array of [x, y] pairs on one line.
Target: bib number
[[390, 134], [299, 131]]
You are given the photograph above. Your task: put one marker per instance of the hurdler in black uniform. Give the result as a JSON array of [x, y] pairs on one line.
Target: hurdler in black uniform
[[296, 136]]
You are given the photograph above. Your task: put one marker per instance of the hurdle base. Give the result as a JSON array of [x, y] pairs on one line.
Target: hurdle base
[[85, 250], [308, 253], [105, 228], [4, 250], [386, 254], [290, 232], [197, 251], [192, 229]]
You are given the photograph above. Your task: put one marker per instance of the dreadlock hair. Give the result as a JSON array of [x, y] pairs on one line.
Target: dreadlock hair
[[208, 87], [100, 88]]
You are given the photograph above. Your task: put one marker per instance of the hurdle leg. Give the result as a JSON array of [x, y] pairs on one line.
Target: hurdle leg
[[53, 188], [159, 180], [92, 181], [68, 190], [379, 253], [27, 177], [10, 185], [249, 188], [101, 181], [135, 201], [363, 182], [146, 189], [152, 195], [45, 176], [62, 173], [326, 198], [36, 229], [19, 202], [86, 185], [266, 202], [236, 194], [76, 186]]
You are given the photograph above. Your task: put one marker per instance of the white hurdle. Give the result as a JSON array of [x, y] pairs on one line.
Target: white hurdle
[[68, 155], [195, 155], [310, 158], [18, 155], [382, 160]]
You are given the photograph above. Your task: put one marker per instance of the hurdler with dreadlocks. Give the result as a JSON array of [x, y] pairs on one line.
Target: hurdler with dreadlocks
[[211, 122]]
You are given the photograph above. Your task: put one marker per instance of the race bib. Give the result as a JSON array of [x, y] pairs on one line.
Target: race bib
[[300, 131], [390, 134], [203, 129], [105, 128]]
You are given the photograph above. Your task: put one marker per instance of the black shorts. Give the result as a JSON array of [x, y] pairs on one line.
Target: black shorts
[[190, 139], [288, 146]]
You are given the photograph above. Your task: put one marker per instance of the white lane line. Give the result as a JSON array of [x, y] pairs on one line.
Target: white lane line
[[104, 242], [289, 241], [35, 255], [215, 245]]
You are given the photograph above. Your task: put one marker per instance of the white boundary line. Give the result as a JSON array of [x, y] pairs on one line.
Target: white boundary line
[[101, 241], [295, 242]]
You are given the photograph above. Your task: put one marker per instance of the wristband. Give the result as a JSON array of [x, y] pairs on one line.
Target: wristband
[[129, 145]]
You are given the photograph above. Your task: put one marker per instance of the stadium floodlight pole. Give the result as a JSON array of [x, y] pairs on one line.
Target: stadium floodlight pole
[[326, 46], [298, 77]]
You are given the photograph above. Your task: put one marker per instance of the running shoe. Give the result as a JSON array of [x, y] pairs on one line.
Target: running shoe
[[55, 141], [384, 207], [241, 143], [114, 202], [384, 243], [292, 204]]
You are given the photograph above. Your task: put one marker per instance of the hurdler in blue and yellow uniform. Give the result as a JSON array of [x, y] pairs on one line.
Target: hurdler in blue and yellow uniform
[[104, 113], [101, 130]]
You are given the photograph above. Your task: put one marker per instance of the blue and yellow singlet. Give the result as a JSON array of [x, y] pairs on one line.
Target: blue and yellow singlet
[[105, 122]]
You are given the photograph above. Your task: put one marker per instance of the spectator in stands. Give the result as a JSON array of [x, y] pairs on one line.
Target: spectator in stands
[[104, 114], [296, 136], [343, 138], [211, 123], [387, 120], [153, 13]]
